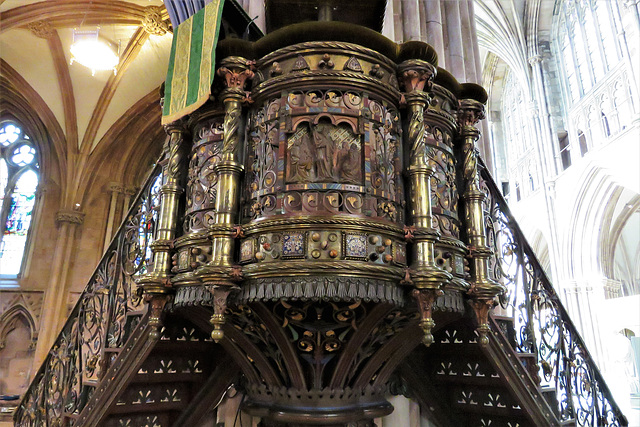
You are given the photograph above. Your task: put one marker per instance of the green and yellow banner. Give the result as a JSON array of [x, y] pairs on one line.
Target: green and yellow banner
[[192, 62]]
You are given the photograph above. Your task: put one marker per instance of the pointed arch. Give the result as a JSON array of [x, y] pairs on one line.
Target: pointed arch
[[589, 221], [8, 322], [21, 102]]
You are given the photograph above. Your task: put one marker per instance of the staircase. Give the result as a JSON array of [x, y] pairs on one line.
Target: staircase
[[177, 372], [483, 388]]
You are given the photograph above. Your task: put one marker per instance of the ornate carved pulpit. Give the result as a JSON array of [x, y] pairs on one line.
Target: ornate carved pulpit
[[322, 224]]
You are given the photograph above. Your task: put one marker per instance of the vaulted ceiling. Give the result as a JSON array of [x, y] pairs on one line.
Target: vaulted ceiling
[[83, 113], [34, 41]]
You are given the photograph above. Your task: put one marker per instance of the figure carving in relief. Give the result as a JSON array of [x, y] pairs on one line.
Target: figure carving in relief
[[325, 153], [300, 165], [350, 165], [416, 136]]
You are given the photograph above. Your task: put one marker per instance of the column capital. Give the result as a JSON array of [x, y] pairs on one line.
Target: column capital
[[70, 217], [179, 126], [115, 187], [535, 59], [416, 74], [470, 112], [130, 190], [236, 71]]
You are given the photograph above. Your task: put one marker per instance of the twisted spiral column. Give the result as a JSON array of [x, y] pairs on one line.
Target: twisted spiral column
[[157, 280], [220, 274], [483, 289], [426, 276]]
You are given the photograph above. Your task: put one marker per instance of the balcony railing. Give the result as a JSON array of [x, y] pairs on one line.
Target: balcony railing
[[98, 326], [542, 325]]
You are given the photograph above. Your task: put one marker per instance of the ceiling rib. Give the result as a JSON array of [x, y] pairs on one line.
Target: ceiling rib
[[69, 13], [66, 90], [131, 51]]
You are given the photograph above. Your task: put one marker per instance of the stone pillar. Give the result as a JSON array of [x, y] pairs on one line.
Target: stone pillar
[[469, 43], [546, 154], [115, 189], [411, 18], [454, 49], [474, 38], [633, 6], [432, 12], [55, 308], [401, 413], [398, 21], [483, 290], [128, 193], [388, 25]]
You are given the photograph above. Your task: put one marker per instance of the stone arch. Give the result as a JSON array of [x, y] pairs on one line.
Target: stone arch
[[589, 216], [8, 322], [540, 247], [619, 246]]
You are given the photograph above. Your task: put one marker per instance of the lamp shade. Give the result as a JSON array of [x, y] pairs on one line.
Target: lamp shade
[[93, 51]]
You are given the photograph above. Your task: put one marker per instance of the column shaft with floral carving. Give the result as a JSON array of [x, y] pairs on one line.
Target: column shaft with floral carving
[[220, 274], [426, 276], [483, 289]]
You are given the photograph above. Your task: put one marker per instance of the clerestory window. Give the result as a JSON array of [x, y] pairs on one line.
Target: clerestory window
[[18, 183], [587, 44]]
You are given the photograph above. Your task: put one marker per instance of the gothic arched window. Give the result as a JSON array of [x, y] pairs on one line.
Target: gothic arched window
[[587, 43], [18, 183], [582, 141]]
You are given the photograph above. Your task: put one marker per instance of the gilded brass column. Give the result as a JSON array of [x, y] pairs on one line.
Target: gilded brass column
[[220, 274], [426, 276], [483, 290], [157, 280]]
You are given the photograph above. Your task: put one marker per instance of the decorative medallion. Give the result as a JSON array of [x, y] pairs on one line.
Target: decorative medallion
[[399, 254], [183, 260], [300, 64], [353, 64], [355, 246], [293, 245], [247, 250]]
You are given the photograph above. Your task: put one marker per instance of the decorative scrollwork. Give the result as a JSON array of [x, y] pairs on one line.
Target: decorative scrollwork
[[101, 319], [318, 346], [542, 324]]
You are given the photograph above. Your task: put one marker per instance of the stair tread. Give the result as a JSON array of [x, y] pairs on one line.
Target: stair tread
[[465, 379], [148, 408], [491, 410], [169, 378]]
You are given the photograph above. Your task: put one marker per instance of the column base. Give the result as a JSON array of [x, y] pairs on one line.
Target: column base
[[331, 408]]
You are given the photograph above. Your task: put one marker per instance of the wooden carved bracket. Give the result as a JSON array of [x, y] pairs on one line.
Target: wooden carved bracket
[[426, 298]]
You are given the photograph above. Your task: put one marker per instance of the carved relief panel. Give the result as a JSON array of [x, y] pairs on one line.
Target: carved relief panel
[[440, 130], [324, 152], [202, 180]]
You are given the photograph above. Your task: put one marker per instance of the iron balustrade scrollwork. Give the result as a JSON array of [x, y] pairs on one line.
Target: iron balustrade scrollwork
[[542, 325], [107, 311]]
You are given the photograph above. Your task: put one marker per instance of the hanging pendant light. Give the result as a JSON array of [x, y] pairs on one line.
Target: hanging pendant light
[[93, 51]]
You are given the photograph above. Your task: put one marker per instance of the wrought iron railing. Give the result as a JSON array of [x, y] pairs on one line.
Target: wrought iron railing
[[542, 325], [101, 321]]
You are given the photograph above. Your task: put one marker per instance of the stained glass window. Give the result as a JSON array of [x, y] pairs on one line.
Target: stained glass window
[[18, 183]]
